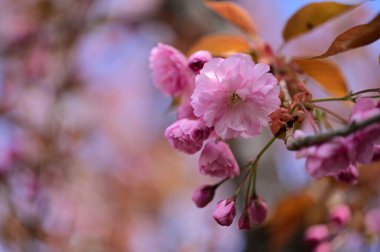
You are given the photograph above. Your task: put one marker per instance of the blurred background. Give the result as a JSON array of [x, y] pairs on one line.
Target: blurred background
[[83, 162]]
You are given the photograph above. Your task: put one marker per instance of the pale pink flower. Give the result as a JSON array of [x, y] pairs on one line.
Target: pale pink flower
[[170, 71], [217, 160], [198, 59], [225, 211], [257, 210], [187, 135], [340, 215], [235, 96], [203, 195], [316, 234], [365, 139], [328, 159]]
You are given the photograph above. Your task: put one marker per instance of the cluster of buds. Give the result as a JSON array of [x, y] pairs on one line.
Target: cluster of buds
[[319, 237]]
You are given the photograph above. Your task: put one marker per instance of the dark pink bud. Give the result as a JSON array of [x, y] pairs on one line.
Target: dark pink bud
[[244, 222], [350, 175], [225, 211], [257, 210], [314, 235], [340, 215], [203, 195], [376, 153], [198, 59]]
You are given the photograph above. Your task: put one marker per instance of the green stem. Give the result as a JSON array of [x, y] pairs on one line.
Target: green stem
[[348, 97], [344, 121]]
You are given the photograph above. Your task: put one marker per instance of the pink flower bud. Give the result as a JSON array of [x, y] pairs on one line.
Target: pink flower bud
[[203, 195], [198, 59], [187, 135], [376, 153], [340, 215], [323, 247], [225, 211], [217, 160], [314, 235], [350, 175], [169, 70], [257, 210], [244, 222]]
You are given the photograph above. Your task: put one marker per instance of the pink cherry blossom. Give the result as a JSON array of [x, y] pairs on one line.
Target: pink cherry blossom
[[225, 212], [217, 160], [235, 96], [340, 215], [328, 159], [203, 195], [170, 72], [365, 139], [187, 135], [316, 234]]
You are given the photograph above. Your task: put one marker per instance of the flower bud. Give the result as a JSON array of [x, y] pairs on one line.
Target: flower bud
[[314, 235], [217, 160], [203, 195], [184, 134], [257, 210], [169, 70], [350, 175], [244, 222], [198, 59], [340, 215], [225, 211]]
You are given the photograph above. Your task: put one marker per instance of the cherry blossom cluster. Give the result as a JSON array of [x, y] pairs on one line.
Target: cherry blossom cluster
[[339, 157], [218, 99]]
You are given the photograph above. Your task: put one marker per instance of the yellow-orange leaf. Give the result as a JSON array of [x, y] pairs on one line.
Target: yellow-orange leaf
[[221, 45], [233, 13], [326, 73], [354, 37], [287, 218], [311, 16]]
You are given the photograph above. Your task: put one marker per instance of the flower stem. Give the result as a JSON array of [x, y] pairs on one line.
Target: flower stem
[[348, 97], [344, 121]]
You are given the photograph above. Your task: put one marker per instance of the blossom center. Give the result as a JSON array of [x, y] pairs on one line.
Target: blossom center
[[233, 100]]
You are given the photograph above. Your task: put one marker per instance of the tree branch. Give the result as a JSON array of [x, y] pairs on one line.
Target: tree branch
[[302, 142]]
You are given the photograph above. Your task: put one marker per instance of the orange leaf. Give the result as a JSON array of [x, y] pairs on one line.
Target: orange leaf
[[288, 218], [233, 13], [326, 73], [311, 16], [355, 37], [221, 45]]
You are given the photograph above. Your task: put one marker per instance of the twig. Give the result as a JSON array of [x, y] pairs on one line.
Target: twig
[[302, 142]]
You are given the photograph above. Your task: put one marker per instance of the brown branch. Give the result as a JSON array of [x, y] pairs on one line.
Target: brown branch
[[302, 142]]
